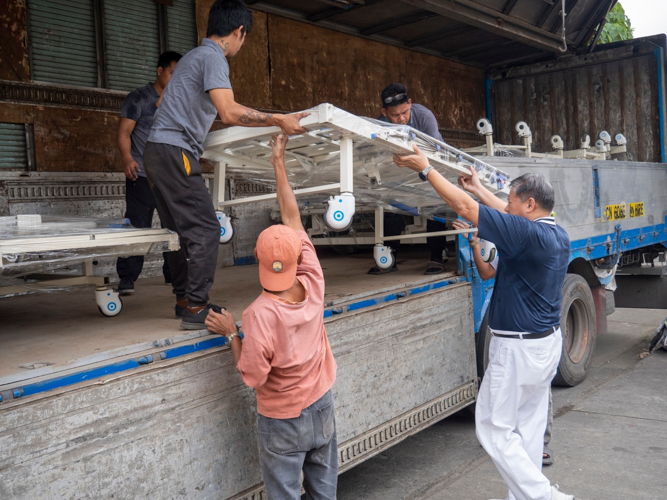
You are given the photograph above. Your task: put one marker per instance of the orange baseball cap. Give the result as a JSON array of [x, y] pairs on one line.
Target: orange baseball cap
[[277, 250]]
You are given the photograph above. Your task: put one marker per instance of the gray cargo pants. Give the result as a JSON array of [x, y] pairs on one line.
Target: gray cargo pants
[[185, 206], [308, 443]]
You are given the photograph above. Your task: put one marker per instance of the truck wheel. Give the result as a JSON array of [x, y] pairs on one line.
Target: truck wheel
[[579, 330]]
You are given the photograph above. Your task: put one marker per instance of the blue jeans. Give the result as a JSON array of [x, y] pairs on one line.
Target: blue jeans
[[308, 443]]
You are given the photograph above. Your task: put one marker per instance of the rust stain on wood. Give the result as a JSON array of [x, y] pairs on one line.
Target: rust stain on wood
[[638, 110], [310, 65], [14, 63], [249, 70], [552, 105], [69, 140], [575, 102], [73, 140], [605, 87], [567, 89], [591, 106], [622, 99]]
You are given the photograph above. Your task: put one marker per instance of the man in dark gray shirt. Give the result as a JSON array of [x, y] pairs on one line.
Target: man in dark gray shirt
[[136, 120], [199, 90], [398, 108]]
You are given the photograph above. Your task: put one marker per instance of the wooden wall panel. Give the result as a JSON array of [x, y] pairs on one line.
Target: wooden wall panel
[[249, 69], [14, 63], [311, 65], [69, 139], [284, 65], [614, 90]]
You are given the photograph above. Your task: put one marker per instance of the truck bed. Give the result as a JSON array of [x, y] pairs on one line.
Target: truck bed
[[175, 416], [64, 329]]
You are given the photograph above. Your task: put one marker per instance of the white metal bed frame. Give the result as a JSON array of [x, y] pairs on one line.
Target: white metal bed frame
[[332, 133], [83, 245]]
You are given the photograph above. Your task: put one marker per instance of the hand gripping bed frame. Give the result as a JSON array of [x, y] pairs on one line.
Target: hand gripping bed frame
[[350, 155]]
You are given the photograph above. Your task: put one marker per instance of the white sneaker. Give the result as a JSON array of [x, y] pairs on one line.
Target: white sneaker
[[557, 495]]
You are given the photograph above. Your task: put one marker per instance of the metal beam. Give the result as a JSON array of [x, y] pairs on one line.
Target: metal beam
[[569, 7], [587, 29], [333, 11], [490, 50], [509, 5], [474, 48], [516, 60], [300, 16], [440, 35], [341, 3], [490, 20], [600, 28], [547, 14], [324, 14], [422, 16]]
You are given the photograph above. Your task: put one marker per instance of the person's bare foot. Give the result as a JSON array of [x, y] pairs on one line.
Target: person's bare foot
[[547, 456]]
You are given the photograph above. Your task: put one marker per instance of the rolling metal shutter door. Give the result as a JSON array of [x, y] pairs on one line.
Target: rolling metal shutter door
[[13, 146], [182, 26], [132, 42], [62, 41]]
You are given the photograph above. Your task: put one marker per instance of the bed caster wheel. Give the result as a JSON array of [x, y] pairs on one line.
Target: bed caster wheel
[[108, 302], [226, 228], [384, 256], [487, 250], [339, 212]]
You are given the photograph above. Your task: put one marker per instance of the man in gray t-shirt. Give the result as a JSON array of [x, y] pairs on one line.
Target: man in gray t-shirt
[[398, 108], [199, 90], [136, 120]]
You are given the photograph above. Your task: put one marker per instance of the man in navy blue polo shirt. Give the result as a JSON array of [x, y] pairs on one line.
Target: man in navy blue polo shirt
[[524, 316], [136, 120]]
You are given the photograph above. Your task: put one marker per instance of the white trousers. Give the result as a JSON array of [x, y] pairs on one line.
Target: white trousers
[[511, 411]]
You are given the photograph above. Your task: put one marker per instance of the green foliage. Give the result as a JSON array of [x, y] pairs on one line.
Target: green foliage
[[617, 27]]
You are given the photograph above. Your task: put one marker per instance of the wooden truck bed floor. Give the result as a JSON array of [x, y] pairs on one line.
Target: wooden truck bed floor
[[59, 328]]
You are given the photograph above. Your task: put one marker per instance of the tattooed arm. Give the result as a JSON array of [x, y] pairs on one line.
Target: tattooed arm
[[233, 113], [252, 116]]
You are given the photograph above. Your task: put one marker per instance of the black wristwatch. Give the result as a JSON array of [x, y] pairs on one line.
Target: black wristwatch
[[423, 175]]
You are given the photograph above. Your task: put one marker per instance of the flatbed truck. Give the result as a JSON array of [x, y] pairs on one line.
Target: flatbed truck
[[129, 406]]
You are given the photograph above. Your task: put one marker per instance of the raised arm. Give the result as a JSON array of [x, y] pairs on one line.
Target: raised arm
[[458, 200], [289, 208], [486, 197], [233, 113]]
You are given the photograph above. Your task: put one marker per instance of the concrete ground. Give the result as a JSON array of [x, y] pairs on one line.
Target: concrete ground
[[609, 437]]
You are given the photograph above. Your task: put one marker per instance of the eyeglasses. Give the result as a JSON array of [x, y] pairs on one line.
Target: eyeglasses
[[397, 97]]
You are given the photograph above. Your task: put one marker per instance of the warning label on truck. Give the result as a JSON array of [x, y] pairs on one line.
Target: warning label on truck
[[616, 212], [637, 209]]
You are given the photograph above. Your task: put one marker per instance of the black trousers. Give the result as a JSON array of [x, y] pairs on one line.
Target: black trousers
[[185, 206], [394, 224], [139, 208]]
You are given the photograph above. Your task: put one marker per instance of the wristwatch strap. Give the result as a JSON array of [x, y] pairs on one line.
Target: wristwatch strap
[[231, 336], [423, 175]]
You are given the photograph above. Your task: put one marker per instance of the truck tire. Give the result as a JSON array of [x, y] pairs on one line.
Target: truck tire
[[579, 329]]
